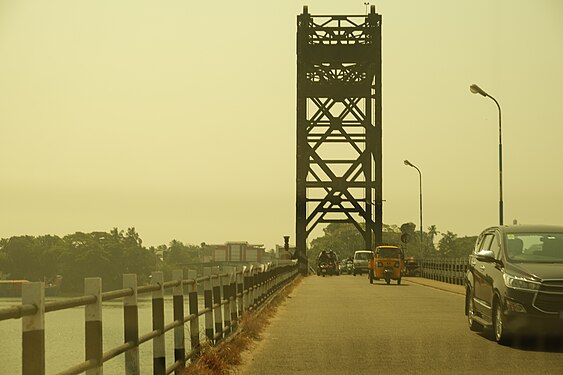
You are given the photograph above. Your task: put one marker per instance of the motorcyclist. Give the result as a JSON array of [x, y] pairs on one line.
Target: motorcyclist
[[323, 257], [332, 256]]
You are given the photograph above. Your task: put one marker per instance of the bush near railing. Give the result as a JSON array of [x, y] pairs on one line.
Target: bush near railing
[[447, 270], [227, 296]]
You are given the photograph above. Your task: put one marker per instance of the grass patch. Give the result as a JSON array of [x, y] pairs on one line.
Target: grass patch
[[220, 359]]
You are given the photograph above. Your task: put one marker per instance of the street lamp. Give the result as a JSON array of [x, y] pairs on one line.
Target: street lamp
[[477, 90], [420, 186]]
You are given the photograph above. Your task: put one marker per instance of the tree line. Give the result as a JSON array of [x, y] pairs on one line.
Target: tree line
[[97, 254], [345, 239], [111, 254]]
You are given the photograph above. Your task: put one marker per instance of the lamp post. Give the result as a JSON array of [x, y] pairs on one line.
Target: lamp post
[[408, 163], [477, 90]]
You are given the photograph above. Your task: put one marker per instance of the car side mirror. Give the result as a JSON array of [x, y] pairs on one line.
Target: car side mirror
[[485, 256]]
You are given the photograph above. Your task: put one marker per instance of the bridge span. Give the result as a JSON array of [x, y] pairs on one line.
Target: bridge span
[[344, 325]]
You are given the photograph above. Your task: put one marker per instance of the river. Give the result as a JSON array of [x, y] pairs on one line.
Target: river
[[64, 337]]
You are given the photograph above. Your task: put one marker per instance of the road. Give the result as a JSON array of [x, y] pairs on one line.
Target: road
[[344, 325]]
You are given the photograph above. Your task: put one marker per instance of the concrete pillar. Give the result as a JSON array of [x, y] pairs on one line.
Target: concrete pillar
[[93, 318], [33, 328], [178, 305], [131, 325], [158, 343]]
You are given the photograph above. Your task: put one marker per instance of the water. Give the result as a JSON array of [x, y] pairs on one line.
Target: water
[[64, 337]]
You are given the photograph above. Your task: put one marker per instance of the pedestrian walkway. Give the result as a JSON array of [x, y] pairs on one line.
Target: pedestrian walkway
[[459, 289]]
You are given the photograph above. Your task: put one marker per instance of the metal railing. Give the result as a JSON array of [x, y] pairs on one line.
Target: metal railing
[[447, 270], [227, 296]]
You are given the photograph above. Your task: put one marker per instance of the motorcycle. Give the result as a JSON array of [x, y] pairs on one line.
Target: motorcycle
[[333, 268], [349, 267], [322, 269]]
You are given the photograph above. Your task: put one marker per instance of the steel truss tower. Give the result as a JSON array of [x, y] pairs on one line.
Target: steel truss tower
[[338, 125]]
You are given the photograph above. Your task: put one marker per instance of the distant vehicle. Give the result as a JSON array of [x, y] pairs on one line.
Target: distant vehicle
[[13, 288], [411, 267], [514, 283], [360, 263], [327, 263], [388, 264], [348, 265]]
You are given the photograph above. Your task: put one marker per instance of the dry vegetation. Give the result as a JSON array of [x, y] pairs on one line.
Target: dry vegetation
[[221, 359]]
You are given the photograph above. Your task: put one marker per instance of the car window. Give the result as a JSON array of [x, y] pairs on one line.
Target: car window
[[361, 256], [535, 247], [495, 246], [486, 243]]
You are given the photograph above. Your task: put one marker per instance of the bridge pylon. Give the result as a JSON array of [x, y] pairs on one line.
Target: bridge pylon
[[339, 139]]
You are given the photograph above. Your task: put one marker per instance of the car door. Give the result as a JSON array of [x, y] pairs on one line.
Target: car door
[[491, 272], [479, 274]]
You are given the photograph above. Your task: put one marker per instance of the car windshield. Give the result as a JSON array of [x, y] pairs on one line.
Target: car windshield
[[535, 247], [389, 253], [362, 256]]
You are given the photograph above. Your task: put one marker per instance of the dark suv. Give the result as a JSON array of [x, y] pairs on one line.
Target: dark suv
[[514, 283]]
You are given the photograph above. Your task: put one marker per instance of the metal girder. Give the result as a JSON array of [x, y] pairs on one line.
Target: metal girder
[[339, 176]]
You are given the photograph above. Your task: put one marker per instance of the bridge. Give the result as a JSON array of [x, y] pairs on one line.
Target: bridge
[[334, 325]]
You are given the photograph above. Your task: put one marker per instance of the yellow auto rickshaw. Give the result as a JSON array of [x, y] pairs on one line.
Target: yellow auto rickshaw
[[388, 264]]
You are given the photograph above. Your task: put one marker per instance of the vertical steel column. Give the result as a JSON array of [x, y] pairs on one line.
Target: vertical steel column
[[93, 318], [33, 328], [302, 149], [131, 325], [158, 343], [178, 303], [194, 312]]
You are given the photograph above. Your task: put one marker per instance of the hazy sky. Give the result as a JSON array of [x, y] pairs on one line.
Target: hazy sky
[[178, 117]]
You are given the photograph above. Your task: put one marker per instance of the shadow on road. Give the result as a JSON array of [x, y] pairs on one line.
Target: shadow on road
[[529, 343]]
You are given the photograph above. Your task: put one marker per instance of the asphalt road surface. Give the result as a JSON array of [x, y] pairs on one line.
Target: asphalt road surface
[[344, 325]]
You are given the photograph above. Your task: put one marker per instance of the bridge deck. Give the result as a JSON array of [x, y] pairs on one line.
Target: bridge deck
[[344, 325]]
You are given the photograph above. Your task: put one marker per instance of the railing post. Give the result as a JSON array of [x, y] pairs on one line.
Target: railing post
[[217, 315], [240, 291], [94, 332], [225, 286], [208, 303], [158, 343], [194, 311], [247, 290], [33, 327], [131, 325], [256, 286], [233, 298], [178, 303]]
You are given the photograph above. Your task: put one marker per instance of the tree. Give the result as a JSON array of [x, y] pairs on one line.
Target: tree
[[451, 246]]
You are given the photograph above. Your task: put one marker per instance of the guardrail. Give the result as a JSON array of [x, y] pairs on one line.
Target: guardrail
[[447, 270], [227, 296]]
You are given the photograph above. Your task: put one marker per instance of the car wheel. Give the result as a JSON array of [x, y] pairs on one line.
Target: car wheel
[[473, 325], [500, 328]]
